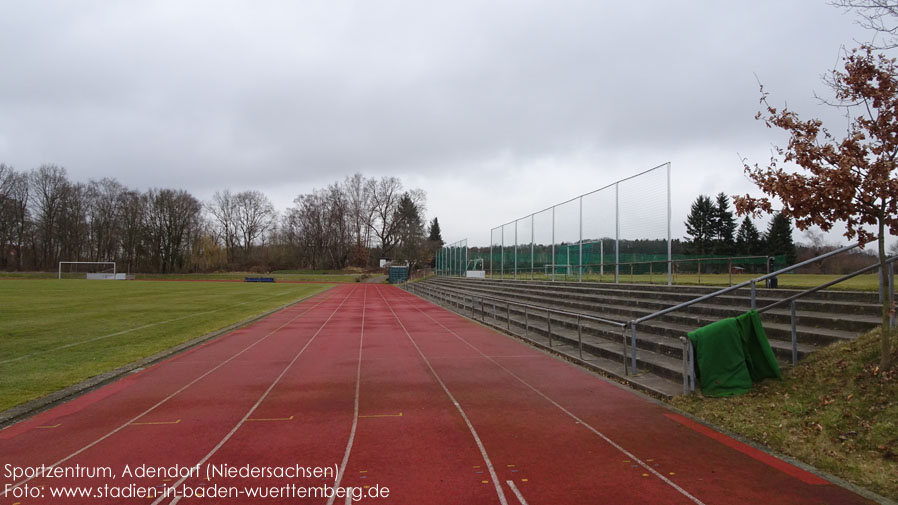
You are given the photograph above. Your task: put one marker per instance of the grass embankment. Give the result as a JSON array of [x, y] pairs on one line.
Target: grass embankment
[[55, 333], [869, 282], [836, 411]]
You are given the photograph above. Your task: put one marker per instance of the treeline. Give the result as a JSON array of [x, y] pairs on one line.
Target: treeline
[[46, 218], [711, 228]]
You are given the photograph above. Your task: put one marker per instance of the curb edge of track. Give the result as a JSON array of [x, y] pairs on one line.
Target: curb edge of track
[[31, 408]]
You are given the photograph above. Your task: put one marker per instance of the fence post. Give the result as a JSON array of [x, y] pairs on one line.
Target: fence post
[[616, 234], [699, 270], [532, 242], [502, 253], [553, 244], [730, 271], [515, 249], [669, 256], [580, 261], [794, 335]]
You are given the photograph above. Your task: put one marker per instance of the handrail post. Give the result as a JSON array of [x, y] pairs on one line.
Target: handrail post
[[579, 336], [691, 366], [794, 335], [754, 290], [508, 316], [633, 348], [526, 322], [623, 335], [685, 343], [549, 319]]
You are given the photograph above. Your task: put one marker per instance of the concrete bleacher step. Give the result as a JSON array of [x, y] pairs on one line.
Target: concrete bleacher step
[[815, 327], [822, 319]]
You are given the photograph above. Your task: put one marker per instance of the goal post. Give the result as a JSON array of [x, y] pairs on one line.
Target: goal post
[[103, 271]]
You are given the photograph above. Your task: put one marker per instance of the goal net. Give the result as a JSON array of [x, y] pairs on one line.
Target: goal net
[[88, 270]]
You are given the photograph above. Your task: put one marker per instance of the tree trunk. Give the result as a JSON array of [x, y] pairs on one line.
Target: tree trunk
[[885, 360]]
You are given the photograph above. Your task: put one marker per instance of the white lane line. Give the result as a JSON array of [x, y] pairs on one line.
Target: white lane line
[[571, 414], [355, 415], [517, 493], [486, 458], [167, 398], [129, 330], [246, 416]]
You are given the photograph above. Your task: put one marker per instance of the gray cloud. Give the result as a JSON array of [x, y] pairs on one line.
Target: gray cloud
[[290, 95]]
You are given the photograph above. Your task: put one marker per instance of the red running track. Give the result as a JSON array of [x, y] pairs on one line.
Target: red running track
[[387, 391]]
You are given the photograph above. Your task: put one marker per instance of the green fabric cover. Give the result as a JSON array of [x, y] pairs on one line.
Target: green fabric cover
[[732, 353]]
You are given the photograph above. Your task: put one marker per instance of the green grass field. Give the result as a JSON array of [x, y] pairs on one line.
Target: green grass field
[[99, 323], [868, 282], [329, 277]]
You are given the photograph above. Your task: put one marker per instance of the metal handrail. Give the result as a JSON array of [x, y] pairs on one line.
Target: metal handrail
[[826, 285], [620, 324], [751, 282]]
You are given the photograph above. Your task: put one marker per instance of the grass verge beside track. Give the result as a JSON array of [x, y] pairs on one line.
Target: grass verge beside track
[[57, 333], [836, 411]]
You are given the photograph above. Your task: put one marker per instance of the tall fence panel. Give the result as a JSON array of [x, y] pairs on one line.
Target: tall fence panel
[[453, 260], [620, 229]]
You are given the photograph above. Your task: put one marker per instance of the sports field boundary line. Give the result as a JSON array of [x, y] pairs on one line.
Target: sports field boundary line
[[602, 375], [31, 408]]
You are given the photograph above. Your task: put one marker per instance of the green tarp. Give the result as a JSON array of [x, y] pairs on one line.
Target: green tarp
[[731, 354]]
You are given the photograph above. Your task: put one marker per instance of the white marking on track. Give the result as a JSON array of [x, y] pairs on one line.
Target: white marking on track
[[167, 398], [517, 493], [355, 415], [252, 409], [571, 414], [486, 458]]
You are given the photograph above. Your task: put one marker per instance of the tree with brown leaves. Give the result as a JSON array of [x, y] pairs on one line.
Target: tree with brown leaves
[[851, 180]]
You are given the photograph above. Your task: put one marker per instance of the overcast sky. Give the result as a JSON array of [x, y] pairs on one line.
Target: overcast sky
[[494, 108]]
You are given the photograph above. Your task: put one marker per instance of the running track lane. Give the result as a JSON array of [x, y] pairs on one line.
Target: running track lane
[[401, 393], [578, 439]]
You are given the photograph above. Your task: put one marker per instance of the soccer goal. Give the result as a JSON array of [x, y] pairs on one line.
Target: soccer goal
[[89, 269]]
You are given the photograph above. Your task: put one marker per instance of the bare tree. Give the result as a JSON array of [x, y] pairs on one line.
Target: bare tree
[[254, 217], [48, 186], [170, 219], [387, 192], [880, 16], [224, 213], [359, 193]]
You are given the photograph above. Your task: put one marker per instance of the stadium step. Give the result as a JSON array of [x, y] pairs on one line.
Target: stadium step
[[823, 318]]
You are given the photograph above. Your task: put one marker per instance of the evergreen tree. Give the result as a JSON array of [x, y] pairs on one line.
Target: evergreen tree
[[700, 225], [724, 225], [779, 238], [748, 239], [434, 242], [411, 230], [435, 234]]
